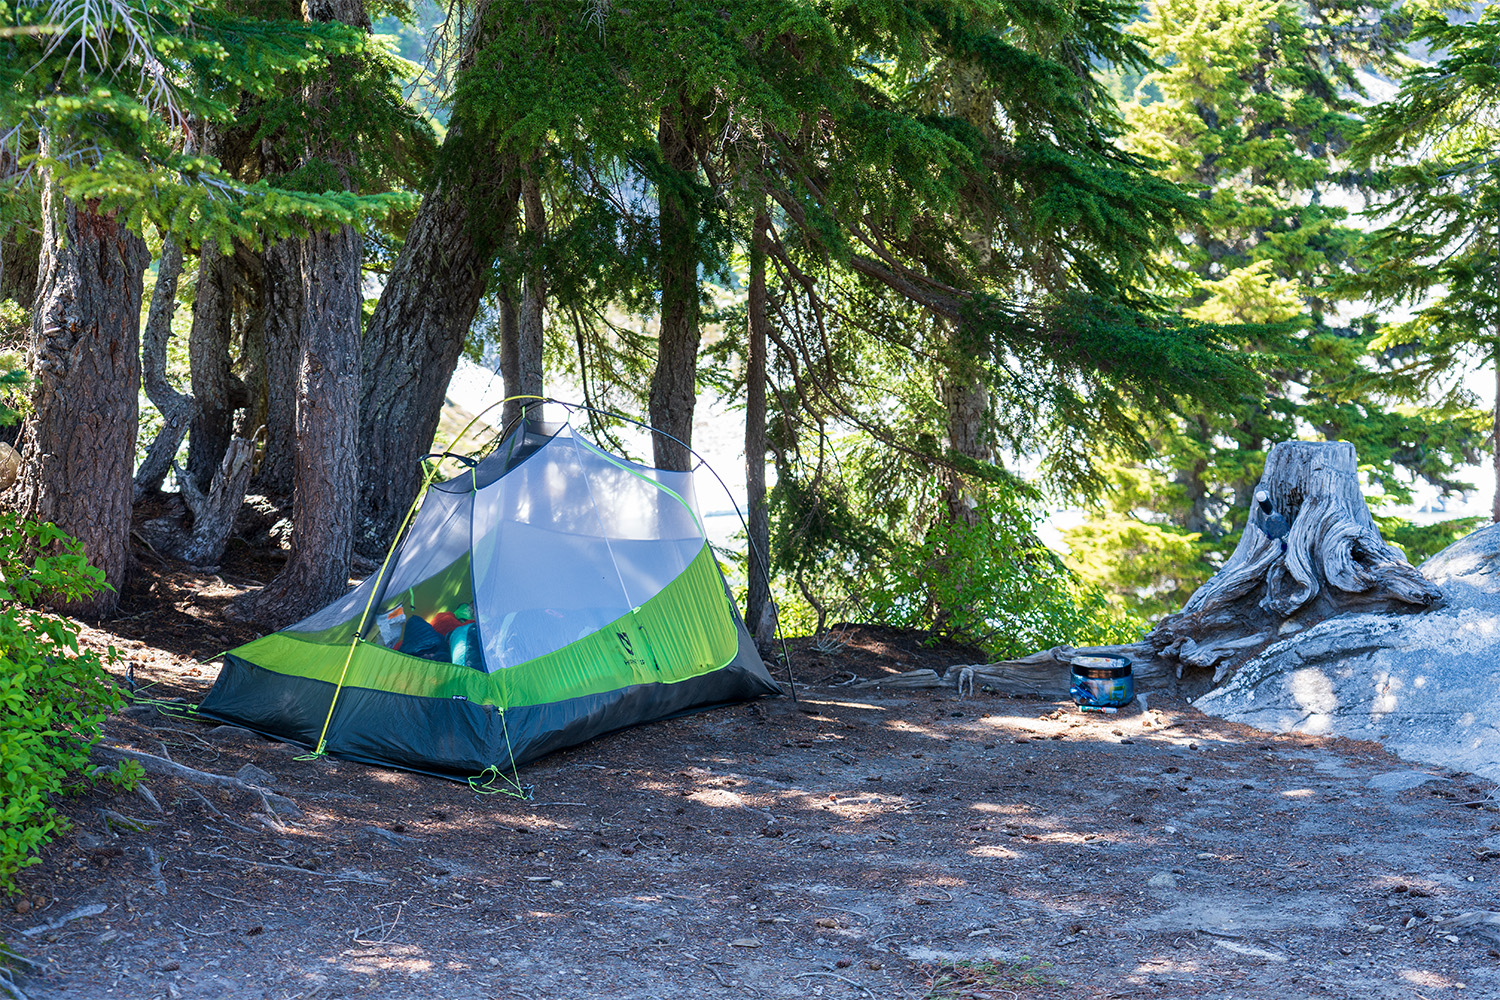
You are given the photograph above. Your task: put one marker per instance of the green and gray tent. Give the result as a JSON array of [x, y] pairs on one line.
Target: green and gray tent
[[551, 593]]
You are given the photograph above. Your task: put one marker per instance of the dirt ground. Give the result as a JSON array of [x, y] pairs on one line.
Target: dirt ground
[[851, 843]]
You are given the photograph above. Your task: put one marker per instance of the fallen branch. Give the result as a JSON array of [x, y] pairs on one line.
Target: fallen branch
[[9, 985], [145, 793], [160, 765], [113, 819], [91, 910], [832, 975], [360, 877]]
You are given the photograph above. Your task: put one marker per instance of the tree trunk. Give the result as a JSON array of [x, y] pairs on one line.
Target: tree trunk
[[674, 385], [326, 477], [208, 359], [1495, 431], [281, 305], [759, 612], [176, 408], [20, 253], [966, 403], [84, 357], [417, 332], [509, 301], [1330, 560], [533, 293]]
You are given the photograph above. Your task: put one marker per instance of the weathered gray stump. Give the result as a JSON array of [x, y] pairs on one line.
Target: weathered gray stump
[[1334, 560], [214, 512]]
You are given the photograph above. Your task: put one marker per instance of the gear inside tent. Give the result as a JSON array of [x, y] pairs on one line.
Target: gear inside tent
[[550, 593]]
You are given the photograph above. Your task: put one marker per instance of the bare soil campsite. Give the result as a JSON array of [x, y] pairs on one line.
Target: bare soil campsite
[[850, 843]]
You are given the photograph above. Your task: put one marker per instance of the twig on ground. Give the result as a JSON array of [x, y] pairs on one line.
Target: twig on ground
[[204, 799], [361, 877], [112, 819], [227, 899], [145, 793], [9, 985], [270, 822], [201, 933], [833, 975]]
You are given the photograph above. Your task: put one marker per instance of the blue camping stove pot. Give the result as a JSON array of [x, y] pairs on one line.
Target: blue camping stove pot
[[1102, 682]]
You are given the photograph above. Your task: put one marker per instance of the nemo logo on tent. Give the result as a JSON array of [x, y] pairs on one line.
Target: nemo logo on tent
[[625, 641]]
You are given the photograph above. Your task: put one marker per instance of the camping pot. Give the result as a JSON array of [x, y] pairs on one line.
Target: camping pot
[[1102, 682]]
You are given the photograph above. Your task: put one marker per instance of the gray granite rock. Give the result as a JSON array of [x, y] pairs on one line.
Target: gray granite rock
[[1426, 684]]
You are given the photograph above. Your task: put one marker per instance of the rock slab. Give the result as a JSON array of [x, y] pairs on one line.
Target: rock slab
[[1426, 684]]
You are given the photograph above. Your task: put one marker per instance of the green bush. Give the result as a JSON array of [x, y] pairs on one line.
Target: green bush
[[53, 697], [992, 584]]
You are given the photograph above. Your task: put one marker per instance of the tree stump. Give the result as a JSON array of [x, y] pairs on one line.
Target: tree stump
[[214, 511], [1329, 559]]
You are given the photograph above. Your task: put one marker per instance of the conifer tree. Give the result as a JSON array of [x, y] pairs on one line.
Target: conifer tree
[[1254, 109], [111, 91], [1439, 252]]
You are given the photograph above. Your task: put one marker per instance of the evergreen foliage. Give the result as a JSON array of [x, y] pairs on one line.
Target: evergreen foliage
[[1439, 252], [1254, 109], [123, 88]]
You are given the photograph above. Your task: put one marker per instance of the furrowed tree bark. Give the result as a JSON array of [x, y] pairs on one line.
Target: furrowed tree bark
[[208, 360], [1334, 561], [674, 385], [176, 408], [84, 356], [533, 293], [1495, 505], [508, 299], [20, 253], [326, 476], [418, 330], [759, 615], [967, 404], [281, 302]]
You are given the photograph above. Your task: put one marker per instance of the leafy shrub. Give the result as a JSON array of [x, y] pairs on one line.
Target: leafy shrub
[[53, 697], [992, 584]]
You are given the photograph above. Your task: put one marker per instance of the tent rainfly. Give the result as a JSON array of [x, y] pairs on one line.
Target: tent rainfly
[[549, 594]]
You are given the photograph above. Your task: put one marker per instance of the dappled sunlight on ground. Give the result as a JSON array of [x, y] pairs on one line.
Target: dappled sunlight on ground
[[738, 852]]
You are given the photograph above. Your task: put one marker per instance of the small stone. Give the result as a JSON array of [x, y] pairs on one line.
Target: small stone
[[1451, 938], [556, 884], [23, 906], [170, 965], [874, 965], [252, 775], [1162, 880], [826, 922], [843, 963], [1375, 929], [492, 960], [825, 844], [744, 942]]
